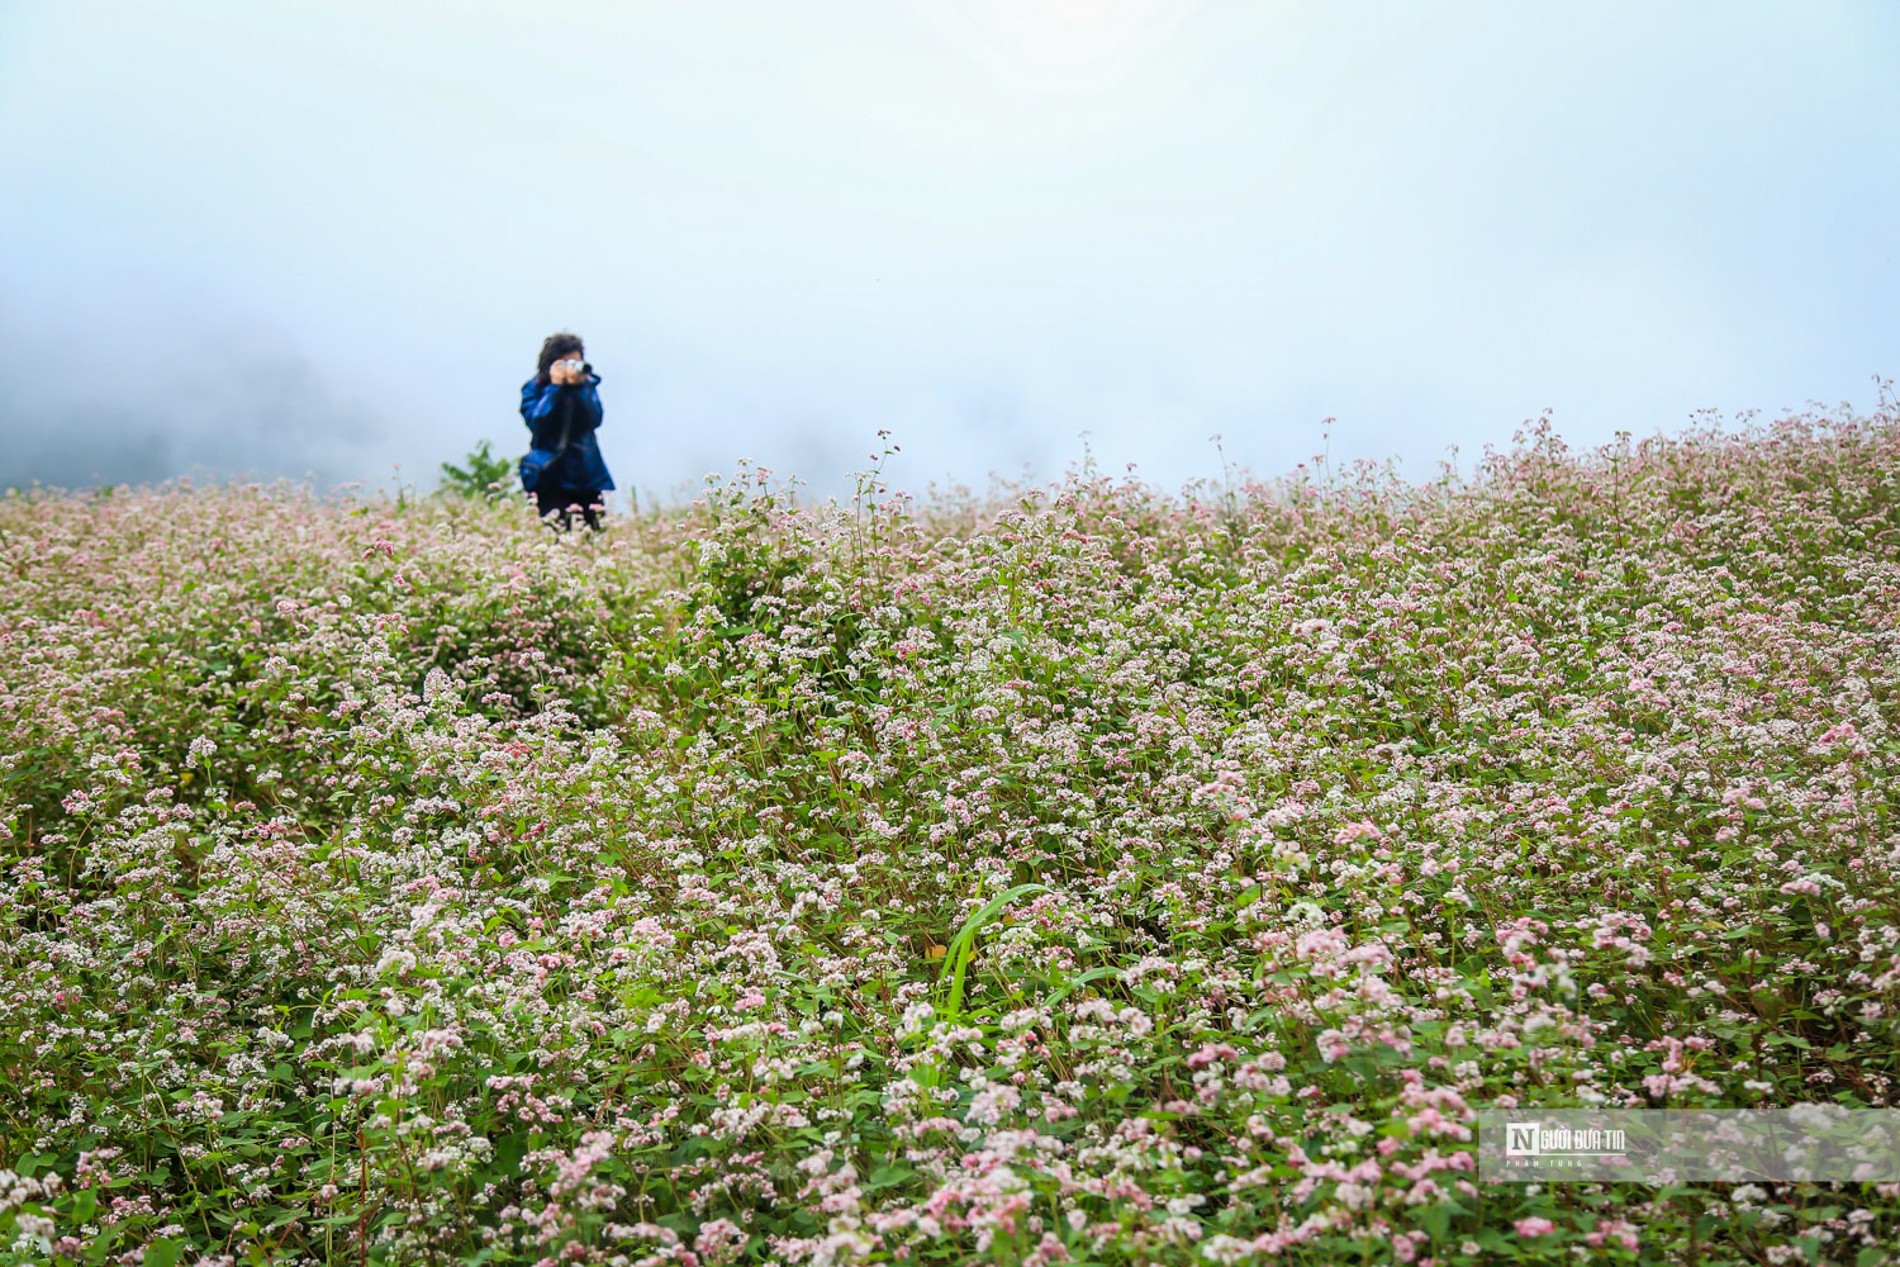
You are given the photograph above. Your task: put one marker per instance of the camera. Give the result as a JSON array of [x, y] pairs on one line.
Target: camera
[[574, 365]]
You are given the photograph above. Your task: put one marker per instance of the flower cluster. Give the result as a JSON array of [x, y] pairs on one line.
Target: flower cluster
[[1074, 874]]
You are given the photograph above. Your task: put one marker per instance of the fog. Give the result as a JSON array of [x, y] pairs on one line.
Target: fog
[[325, 242]]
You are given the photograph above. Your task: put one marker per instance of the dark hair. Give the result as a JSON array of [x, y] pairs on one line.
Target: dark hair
[[556, 347]]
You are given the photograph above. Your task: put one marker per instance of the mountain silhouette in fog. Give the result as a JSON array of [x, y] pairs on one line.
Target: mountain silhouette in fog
[[229, 410]]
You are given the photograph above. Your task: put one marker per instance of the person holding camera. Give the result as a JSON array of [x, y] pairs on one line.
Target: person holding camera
[[561, 405]]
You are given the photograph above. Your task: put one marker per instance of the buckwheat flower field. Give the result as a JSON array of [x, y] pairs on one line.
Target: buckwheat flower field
[[1078, 874]]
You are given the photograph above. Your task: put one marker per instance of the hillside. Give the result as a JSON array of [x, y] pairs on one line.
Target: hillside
[[1086, 874]]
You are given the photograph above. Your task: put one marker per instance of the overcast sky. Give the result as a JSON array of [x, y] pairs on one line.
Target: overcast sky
[[327, 239]]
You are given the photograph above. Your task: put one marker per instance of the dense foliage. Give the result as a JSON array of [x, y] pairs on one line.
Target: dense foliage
[[1083, 874], [481, 474]]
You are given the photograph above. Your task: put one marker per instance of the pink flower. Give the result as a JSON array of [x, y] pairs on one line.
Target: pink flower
[[1535, 1227], [1360, 830], [1843, 731]]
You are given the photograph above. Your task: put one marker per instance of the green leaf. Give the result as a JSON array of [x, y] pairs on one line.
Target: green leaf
[[33, 1163], [1075, 983], [889, 1177], [957, 961]]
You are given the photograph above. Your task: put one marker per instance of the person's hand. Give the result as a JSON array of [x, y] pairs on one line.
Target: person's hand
[[559, 373]]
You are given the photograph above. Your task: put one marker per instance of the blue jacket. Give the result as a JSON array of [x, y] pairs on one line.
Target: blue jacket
[[545, 408]]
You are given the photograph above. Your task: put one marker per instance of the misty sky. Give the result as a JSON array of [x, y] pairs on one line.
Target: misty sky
[[327, 239]]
